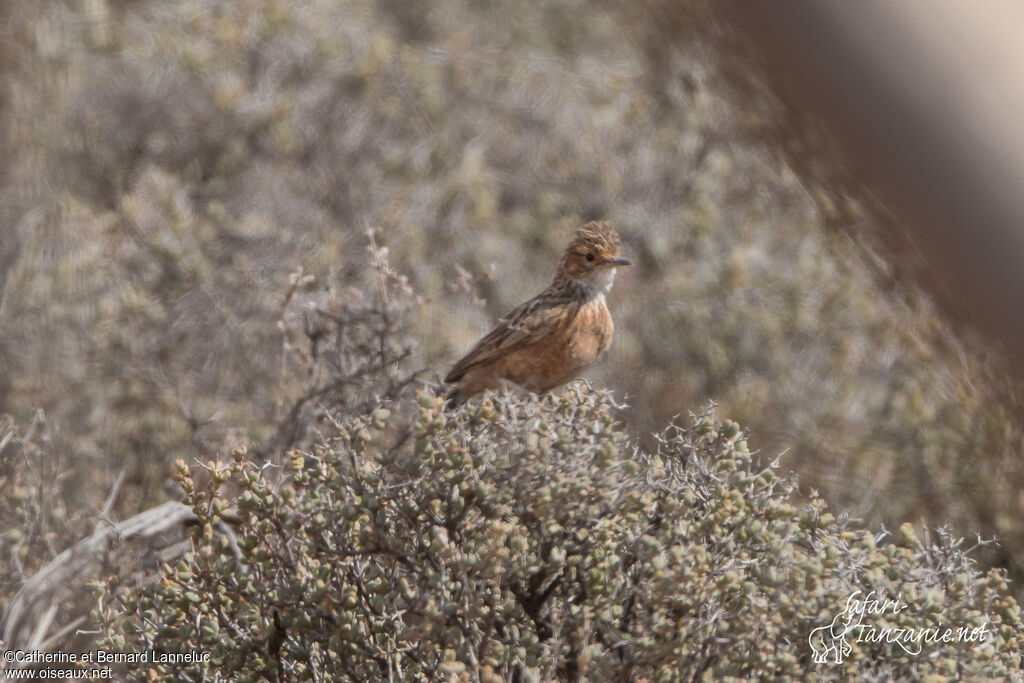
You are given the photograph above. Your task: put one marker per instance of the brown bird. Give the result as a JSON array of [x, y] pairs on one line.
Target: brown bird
[[554, 336]]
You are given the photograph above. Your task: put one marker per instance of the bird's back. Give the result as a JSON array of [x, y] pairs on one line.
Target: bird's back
[[540, 345]]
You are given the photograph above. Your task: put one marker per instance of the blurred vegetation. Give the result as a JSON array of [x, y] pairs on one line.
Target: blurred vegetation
[[187, 189]]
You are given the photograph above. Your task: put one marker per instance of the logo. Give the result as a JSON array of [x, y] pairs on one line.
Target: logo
[[834, 642]]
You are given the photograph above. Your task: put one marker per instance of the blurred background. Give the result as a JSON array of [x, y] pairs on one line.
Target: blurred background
[[823, 211]]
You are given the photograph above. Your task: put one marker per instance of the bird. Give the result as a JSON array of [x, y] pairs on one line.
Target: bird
[[550, 339]]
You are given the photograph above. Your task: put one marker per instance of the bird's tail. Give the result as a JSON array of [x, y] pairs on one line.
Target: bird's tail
[[454, 399]]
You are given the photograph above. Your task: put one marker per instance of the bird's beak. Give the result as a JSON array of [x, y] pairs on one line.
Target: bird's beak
[[618, 261]]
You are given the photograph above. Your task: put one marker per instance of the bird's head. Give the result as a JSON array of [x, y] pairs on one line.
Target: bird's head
[[593, 255]]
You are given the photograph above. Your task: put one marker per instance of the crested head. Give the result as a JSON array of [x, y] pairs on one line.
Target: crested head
[[597, 235], [592, 256]]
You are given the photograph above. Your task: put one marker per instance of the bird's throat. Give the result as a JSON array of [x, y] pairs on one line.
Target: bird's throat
[[603, 278], [588, 287]]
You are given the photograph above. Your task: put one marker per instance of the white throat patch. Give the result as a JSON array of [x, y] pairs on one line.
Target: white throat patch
[[603, 278], [598, 282]]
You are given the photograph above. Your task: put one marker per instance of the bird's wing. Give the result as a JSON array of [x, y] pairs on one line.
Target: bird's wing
[[530, 322]]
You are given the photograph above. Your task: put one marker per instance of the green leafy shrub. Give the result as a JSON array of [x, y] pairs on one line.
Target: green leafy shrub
[[533, 540]]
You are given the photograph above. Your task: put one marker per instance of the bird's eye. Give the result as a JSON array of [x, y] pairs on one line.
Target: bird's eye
[[590, 256]]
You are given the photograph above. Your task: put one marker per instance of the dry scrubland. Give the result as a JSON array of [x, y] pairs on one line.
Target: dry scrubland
[[186, 268]]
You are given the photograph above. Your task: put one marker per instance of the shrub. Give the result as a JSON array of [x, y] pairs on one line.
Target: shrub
[[531, 539], [170, 166], [35, 524]]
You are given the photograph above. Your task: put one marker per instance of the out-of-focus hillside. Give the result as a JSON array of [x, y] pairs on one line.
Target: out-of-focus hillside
[[172, 167]]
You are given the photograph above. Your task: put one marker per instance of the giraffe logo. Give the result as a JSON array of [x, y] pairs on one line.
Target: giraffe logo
[[833, 642]]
